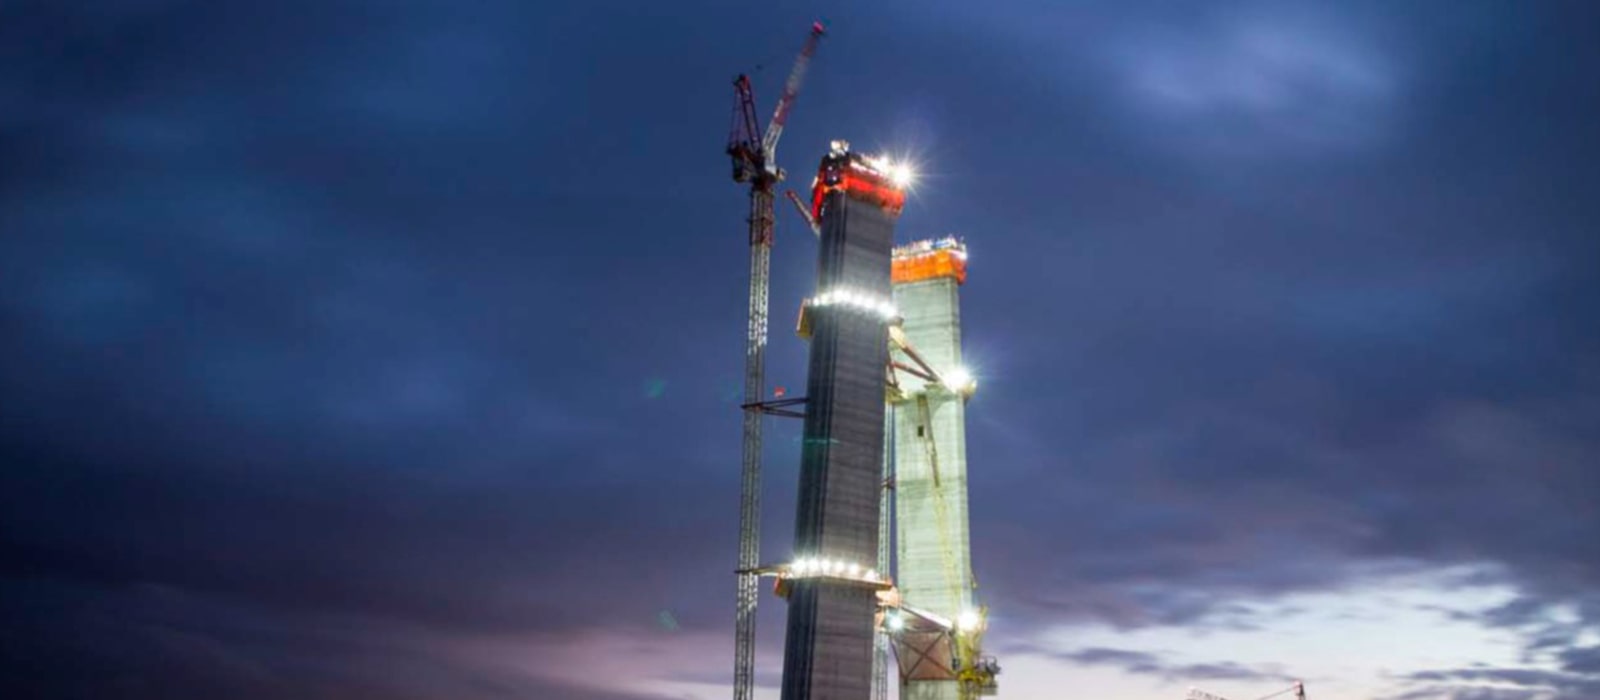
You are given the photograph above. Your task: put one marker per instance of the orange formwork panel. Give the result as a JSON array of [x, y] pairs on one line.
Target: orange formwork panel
[[929, 265]]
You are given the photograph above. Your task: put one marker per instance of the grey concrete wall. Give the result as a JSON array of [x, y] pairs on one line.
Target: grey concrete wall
[[926, 578], [828, 642]]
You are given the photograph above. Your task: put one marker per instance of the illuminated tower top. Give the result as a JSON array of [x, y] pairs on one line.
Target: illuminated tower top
[[930, 259]]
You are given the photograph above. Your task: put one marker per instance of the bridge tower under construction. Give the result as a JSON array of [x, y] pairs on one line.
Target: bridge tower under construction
[[883, 452], [928, 392], [833, 589]]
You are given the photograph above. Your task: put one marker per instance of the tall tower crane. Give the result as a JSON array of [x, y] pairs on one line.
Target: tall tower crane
[[754, 154]]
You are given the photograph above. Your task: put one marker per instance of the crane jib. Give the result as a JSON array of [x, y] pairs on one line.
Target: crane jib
[[791, 88]]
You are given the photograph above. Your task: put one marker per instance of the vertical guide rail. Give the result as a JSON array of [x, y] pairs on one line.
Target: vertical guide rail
[[755, 368], [880, 645], [941, 515]]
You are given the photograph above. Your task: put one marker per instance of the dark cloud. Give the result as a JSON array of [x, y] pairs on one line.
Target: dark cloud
[[1548, 623], [1581, 660], [1445, 692], [1146, 663], [150, 641], [325, 327], [1529, 682], [1135, 661], [1263, 442]]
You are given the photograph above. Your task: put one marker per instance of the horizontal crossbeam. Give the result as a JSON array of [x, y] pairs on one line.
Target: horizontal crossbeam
[[777, 407]]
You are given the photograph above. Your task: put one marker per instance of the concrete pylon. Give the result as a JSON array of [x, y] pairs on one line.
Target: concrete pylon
[[934, 562], [828, 647]]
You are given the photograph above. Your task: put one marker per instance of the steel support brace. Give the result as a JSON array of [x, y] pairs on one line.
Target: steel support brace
[[777, 407]]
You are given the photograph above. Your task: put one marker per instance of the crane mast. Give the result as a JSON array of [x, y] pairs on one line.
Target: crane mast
[[753, 152]]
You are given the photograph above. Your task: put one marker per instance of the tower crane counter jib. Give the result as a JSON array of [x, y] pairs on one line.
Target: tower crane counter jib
[[753, 149]]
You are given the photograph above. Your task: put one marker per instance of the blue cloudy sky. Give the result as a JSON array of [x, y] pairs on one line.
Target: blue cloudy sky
[[391, 349]]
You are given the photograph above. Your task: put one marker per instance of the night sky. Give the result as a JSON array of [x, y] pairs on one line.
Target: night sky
[[392, 349]]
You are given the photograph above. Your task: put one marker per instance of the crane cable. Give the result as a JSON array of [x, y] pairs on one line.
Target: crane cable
[[1281, 692]]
